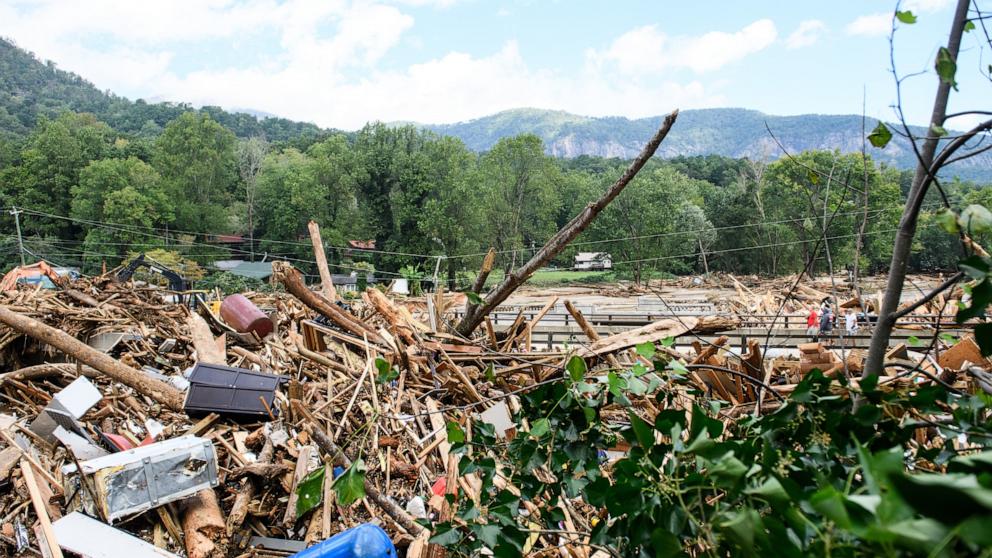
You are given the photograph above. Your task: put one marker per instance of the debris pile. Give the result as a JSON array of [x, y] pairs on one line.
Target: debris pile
[[164, 427]]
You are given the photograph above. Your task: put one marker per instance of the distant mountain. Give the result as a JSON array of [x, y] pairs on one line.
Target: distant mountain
[[731, 132], [31, 88]]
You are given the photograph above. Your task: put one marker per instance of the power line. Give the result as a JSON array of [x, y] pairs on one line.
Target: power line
[[757, 247], [109, 226], [685, 232], [135, 229]]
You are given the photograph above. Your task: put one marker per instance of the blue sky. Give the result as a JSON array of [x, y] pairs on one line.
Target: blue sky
[[341, 63]]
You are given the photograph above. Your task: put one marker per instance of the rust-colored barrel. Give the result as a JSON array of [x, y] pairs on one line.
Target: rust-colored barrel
[[242, 314]]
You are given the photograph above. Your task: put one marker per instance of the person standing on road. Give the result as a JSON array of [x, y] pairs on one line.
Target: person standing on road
[[851, 322], [826, 320], [812, 324]]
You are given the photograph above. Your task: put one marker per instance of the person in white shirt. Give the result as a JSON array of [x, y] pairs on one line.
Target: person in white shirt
[[850, 322]]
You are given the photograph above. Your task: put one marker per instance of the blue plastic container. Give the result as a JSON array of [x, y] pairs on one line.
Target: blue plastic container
[[365, 541]]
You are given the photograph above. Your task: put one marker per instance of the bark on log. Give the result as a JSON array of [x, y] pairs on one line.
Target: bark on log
[[326, 281], [650, 333], [203, 524], [480, 279], [140, 382], [206, 346], [565, 235], [338, 457], [290, 277], [590, 331], [716, 323], [48, 370], [388, 310]]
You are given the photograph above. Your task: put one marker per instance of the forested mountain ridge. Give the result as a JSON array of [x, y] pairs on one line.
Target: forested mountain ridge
[[730, 132], [31, 88]]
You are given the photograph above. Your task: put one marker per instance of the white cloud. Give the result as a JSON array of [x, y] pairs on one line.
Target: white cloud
[[649, 50], [451, 88], [806, 34], [872, 25], [324, 62], [927, 5]]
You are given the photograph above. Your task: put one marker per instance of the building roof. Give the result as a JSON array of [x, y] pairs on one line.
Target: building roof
[[253, 270]]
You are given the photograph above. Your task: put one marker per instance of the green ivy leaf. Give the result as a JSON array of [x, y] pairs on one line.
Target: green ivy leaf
[[576, 368], [668, 342], [646, 350], [946, 67], [969, 26], [474, 298], [446, 535], [488, 534], [938, 131], [643, 432], [386, 372], [455, 433], [540, 427], [976, 219], [914, 341], [490, 373], [906, 17], [947, 220], [880, 136], [350, 485], [310, 492]]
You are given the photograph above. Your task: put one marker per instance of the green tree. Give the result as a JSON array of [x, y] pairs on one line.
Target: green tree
[[126, 192], [50, 165], [520, 186], [195, 156]]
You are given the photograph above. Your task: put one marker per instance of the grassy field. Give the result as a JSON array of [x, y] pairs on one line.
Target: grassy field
[[553, 277]]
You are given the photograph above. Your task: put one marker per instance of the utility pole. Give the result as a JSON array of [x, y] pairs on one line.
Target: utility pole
[[706, 265], [17, 223]]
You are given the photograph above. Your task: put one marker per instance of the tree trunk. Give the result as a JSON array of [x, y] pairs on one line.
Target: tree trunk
[[561, 239], [907, 225], [290, 277], [141, 382], [202, 519]]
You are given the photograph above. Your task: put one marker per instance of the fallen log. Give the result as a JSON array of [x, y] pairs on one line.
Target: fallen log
[[650, 333], [290, 278], [48, 370], [140, 382]]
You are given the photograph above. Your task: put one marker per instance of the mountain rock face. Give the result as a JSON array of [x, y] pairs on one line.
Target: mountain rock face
[[730, 132]]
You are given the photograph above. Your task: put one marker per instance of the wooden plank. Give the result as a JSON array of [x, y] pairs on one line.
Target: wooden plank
[[39, 508]]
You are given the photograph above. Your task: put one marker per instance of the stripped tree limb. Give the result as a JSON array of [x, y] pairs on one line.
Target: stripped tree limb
[[290, 277], [566, 234], [141, 382]]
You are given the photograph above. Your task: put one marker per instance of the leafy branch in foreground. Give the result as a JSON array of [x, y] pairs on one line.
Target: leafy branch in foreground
[[811, 478]]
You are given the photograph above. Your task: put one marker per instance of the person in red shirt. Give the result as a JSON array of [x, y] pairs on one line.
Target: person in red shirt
[[812, 324]]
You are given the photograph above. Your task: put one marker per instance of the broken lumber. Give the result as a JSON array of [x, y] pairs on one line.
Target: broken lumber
[[140, 382], [291, 278], [650, 333]]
